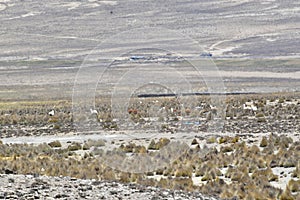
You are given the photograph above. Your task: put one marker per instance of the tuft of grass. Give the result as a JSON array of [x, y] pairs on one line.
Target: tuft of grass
[[286, 195], [75, 146], [223, 140], [161, 143], [94, 143], [184, 172], [211, 140], [194, 142], [55, 143], [259, 115], [261, 120], [226, 149], [264, 142], [294, 186]]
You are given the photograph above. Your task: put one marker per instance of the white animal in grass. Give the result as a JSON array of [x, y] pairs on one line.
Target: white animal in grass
[[94, 112], [51, 113], [213, 107], [249, 106]]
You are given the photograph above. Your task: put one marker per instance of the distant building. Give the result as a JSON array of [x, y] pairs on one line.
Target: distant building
[[137, 57], [206, 54]]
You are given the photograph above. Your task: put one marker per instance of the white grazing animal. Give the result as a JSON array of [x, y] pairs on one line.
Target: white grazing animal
[[51, 113], [249, 106], [94, 111], [254, 108], [246, 107]]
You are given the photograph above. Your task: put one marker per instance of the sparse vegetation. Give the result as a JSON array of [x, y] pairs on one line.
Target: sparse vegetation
[[238, 157], [24, 158]]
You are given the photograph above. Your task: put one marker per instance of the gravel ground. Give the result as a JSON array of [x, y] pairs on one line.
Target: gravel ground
[[43, 187]]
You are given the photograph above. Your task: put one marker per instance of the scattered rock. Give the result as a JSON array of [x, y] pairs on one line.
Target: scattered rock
[[100, 190]]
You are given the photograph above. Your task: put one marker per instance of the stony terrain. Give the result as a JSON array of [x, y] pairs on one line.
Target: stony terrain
[[43, 187], [244, 166]]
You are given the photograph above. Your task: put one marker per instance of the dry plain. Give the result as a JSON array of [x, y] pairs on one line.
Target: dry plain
[[167, 149]]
